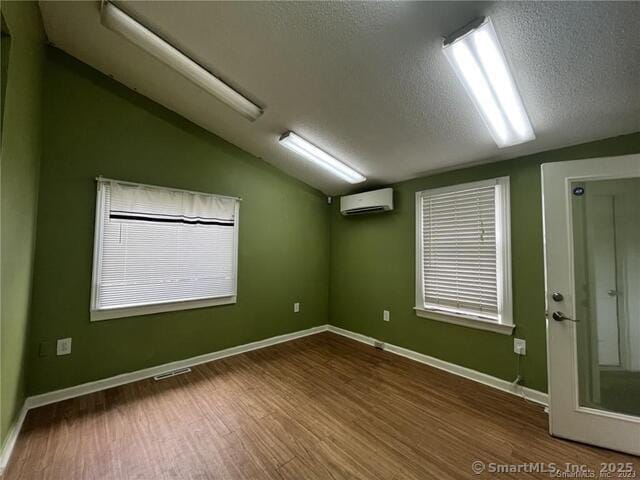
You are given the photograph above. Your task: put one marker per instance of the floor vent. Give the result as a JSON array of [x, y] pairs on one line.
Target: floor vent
[[172, 373]]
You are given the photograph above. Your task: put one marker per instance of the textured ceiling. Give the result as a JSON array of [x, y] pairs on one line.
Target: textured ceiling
[[368, 82]]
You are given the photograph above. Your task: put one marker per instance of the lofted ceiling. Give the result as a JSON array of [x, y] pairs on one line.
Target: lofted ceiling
[[367, 81]]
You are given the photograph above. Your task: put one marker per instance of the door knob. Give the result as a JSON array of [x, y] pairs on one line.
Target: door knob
[[559, 317]]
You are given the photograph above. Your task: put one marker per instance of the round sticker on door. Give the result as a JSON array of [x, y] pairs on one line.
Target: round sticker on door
[[578, 191]]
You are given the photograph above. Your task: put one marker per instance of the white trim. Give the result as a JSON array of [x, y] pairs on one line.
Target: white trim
[[12, 437], [123, 379], [503, 251], [465, 321], [96, 267], [106, 314], [419, 303], [498, 383], [236, 247], [503, 259], [103, 384], [115, 381], [456, 187]]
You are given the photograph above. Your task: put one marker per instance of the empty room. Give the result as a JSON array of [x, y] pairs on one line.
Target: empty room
[[319, 240]]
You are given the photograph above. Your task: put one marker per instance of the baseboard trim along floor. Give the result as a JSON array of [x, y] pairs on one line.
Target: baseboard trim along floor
[[117, 380], [527, 393], [106, 383], [90, 387], [12, 437]]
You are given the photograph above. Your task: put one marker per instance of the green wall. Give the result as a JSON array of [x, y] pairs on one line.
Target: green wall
[[373, 269], [293, 247], [94, 126], [18, 196]]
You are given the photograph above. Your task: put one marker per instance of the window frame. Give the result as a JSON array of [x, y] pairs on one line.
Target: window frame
[[505, 323], [171, 306]]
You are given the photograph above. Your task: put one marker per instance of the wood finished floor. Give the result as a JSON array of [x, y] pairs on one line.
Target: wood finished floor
[[321, 407]]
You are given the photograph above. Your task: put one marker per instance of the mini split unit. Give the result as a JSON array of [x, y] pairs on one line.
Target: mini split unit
[[367, 202]]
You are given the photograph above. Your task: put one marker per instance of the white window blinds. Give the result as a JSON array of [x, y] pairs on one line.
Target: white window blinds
[[462, 239], [157, 246]]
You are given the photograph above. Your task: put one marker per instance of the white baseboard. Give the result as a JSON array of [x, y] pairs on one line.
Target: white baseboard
[[12, 436], [528, 393], [91, 387], [103, 384]]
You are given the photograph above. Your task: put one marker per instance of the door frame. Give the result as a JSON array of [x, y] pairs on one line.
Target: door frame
[[567, 418]]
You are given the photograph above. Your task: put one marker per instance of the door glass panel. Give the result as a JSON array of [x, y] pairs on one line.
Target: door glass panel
[[606, 240]]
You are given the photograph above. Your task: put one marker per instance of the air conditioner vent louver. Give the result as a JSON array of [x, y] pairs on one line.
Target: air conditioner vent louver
[[367, 202], [357, 211]]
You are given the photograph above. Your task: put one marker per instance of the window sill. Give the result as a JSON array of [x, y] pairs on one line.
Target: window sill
[[97, 315], [465, 321]]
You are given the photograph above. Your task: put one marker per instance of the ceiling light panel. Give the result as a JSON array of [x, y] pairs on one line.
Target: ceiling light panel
[[312, 153], [118, 21], [480, 64]]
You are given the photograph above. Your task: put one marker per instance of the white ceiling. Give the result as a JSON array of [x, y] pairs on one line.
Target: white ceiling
[[368, 82]]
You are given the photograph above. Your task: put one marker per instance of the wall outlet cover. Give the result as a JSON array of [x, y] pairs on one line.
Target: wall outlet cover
[[63, 346], [296, 307], [519, 346], [385, 315]]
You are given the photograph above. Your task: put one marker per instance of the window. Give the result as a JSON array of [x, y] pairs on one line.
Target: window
[[159, 249], [463, 255]]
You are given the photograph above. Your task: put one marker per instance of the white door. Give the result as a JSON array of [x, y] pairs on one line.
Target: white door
[[592, 255]]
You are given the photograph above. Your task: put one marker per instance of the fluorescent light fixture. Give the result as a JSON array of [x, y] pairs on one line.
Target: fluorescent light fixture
[[475, 54], [115, 19], [309, 151]]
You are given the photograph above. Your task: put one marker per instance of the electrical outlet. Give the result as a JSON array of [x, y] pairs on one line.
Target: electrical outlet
[[63, 347], [296, 307], [385, 315], [519, 346]]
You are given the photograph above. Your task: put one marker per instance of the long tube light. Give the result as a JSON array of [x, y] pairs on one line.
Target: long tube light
[[115, 19], [309, 151], [475, 54]]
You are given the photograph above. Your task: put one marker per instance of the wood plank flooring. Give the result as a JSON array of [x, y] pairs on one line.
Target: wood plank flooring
[[321, 407]]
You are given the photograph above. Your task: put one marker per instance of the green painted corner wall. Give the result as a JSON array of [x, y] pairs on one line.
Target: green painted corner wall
[[19, 160], [94, 126], [293, 247], [373, 269]]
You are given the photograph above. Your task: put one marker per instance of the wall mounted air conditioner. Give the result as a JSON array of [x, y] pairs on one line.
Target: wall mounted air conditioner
[[367, 202]]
